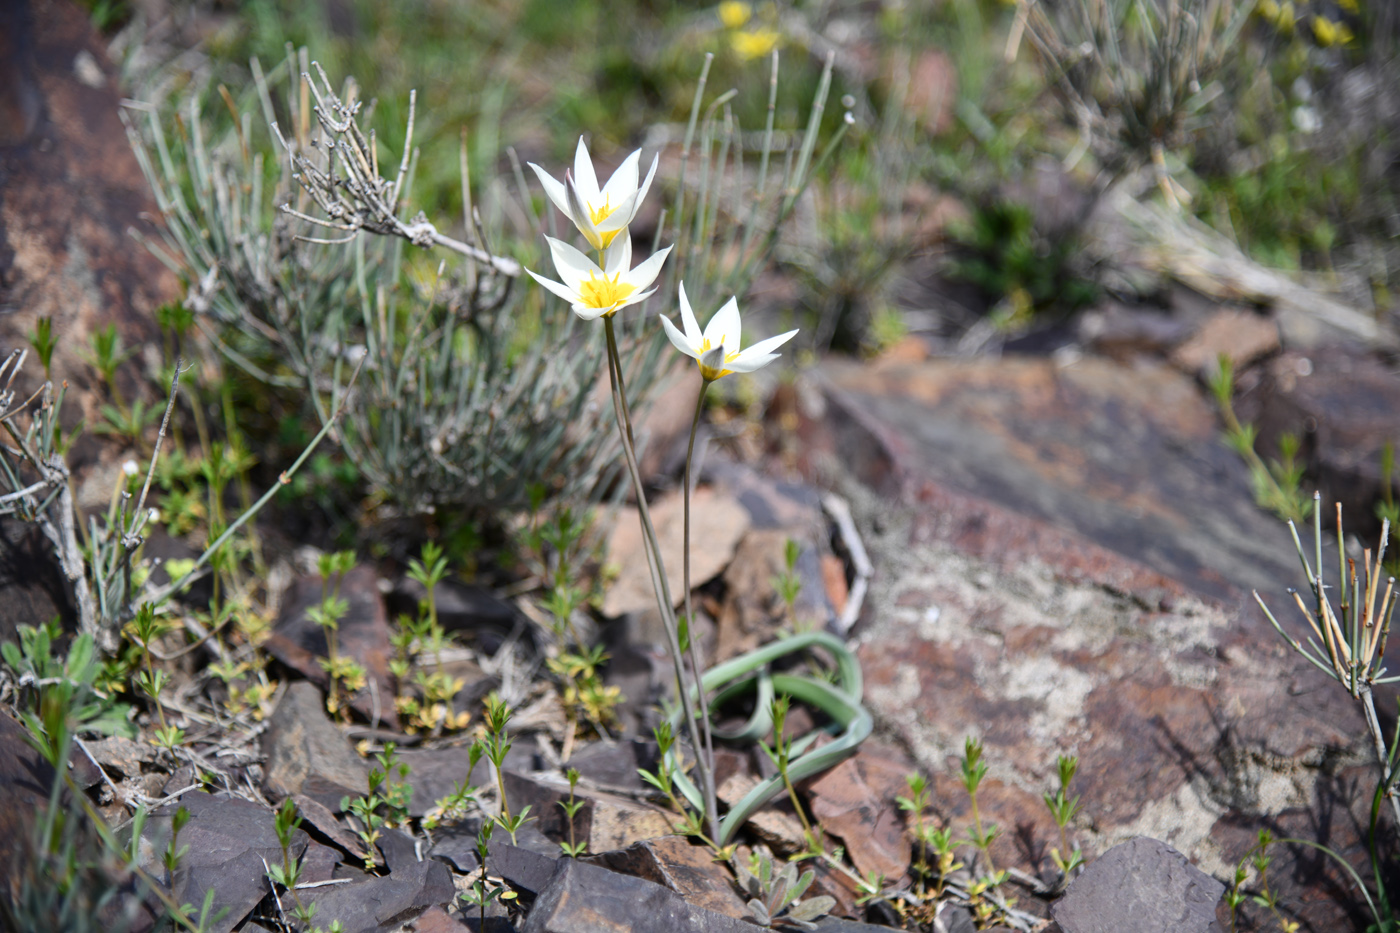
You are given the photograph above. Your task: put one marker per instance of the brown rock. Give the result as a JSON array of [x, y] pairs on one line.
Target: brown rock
[[857, 801], [717, 522], [363, 635], [1341, 405], [689, 870], [1243, 336], [70, 189], [605, 821], [307, 753]]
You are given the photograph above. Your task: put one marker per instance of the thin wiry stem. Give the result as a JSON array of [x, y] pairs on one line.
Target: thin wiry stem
[[658, 573], [697, 669]]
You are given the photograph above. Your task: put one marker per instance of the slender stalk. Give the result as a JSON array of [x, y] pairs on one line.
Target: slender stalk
[[697, 669], [658, 574]]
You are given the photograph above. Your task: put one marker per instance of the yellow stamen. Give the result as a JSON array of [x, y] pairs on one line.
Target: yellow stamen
[[708, 373], [604, 292], [598, 215]]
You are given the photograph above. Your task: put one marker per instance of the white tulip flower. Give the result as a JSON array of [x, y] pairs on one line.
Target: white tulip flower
[[595, 292], [599, 213], [716, 349]]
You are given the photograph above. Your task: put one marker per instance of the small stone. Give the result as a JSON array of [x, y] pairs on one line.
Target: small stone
[[583, 898], [231, 841], [363, 635], [379, 905], [308, 754], [1243, 336], [687, 869], [121, 757], [717, 524], [437, 920], [526, 870], [857, 800], [398, 849], [318, 816], [1142, 885], [606, 821]]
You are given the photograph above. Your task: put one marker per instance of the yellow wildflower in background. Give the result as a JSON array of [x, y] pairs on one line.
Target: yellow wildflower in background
[[734, 13], [755, 43]]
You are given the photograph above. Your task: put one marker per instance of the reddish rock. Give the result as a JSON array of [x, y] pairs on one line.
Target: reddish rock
[[70, 189], [857, 801], [363, 635], [1341, 405], [689, 870], [1242, 336]]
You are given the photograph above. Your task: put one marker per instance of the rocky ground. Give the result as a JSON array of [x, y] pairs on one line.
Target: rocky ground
[[1047, 548]]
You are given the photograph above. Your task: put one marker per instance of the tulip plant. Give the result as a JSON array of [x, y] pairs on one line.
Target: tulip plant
[[600, 289]]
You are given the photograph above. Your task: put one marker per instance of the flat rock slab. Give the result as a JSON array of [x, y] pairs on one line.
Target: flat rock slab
[[584, 898], [363, 635], [1061, 559], [308, 754], [378, 905], [1127, 458], [1142, 885], [231, 841], [689, 870]]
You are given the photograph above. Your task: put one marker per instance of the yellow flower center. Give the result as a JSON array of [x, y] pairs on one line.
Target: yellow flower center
[[604, 292], [598, 215], [709, 373]]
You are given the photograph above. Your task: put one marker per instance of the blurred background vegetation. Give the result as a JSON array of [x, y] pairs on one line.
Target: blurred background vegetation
[[980, 138]]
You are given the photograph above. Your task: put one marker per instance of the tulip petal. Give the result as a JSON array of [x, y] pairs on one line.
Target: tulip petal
[[563, 291], [618, 257], [678, 340], [553, 190], [623, 183], [693, 333], [771, 344], [746, 362], [724, 328], [578, 210], [646, 273], [646, 185], [573, 266], [584, 177]]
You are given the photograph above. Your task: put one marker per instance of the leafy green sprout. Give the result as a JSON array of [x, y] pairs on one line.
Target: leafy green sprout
[[780, 753], [1063, 809], [974, 769], [572, 848], [327, 615], [788, 584], [929, 838], [498, 745], [43, 342], [455, 804], [1276, 483], [386, 804]]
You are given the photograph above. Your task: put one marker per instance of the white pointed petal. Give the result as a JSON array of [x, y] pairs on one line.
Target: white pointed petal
[[725, 326], [747, 362], [636, 297], [764, 347], [587, 313], [693, 333], [578, 211], [678, 339], [553, 189], [623, 183], [584, 177], [563, 291], [618, 256], [646, 273], [573, 266], [642, 191]]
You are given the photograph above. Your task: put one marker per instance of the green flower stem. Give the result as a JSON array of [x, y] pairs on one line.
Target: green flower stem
[[664, 603], [697, 669]]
